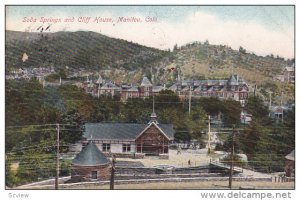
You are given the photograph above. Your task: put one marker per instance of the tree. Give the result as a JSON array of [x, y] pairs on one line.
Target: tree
[[236, 158], [231, 113], [242, 50], [206, 43], [22, 98], [249, 139], [256, 107], [175, 48], [223, 55], [197, 123], [65, 168], [166, 99], [72, 127], [211, 105], [289, 124]]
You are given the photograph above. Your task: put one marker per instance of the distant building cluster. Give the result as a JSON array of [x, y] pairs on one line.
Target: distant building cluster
[[233, 88], [288, 75], [30, 73], [109, 88]]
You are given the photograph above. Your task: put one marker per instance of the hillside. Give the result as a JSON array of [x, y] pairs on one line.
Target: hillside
[[202, 60], [84, 50], [124, 61]]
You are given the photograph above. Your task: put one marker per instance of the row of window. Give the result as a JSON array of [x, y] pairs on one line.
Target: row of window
[[209, 94], [106, 147], [243, 95]]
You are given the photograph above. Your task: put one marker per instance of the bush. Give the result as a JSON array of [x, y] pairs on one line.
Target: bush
[[65, 168], [236, 160]]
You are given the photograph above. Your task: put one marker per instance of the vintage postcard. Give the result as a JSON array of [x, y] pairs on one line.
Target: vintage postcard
[[150, 97]]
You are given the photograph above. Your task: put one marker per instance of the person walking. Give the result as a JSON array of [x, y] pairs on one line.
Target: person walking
[[178, 150]]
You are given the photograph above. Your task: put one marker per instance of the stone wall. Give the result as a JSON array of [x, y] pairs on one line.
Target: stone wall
[[84, 173], [135, 170], [126, 155], [191, 170], [152, 171], [162, 176]]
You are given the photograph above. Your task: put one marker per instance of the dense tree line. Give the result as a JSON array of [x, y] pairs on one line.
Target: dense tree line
[[265, 141]]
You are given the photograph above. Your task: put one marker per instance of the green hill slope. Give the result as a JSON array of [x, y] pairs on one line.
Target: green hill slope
[[87, 50]]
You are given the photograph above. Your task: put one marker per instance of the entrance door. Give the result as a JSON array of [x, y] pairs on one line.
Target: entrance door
[[151, 147]]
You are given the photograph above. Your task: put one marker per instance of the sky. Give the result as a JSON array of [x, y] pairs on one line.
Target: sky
[[263, 30]]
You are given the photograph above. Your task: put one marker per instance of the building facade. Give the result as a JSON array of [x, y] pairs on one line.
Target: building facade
[[100, 87], [109, 88], [234, 88], [289, 74], [290, 164], [130, 139]]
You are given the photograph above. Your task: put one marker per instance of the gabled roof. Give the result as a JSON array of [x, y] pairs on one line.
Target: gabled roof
[[233, 80], [100, 80], [121, 131], [146, 82], [156, 125], [291, 156], [90, 156]]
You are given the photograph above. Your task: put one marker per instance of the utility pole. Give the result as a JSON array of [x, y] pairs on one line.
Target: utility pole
[[112, 176], [152, 77], [190, 100], [153, 108], [281, 99], [57, 158], [231, 163], [208, 144], [270, 106]]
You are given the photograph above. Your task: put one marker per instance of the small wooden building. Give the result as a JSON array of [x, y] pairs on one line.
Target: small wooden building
[[90, 164], [130, 139], [290, 164]]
